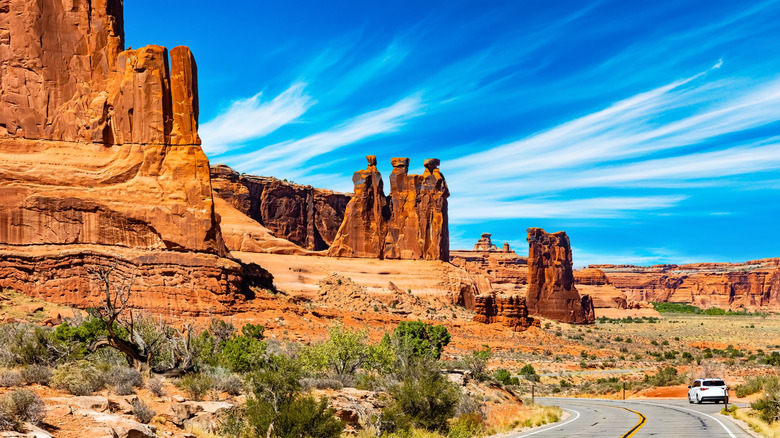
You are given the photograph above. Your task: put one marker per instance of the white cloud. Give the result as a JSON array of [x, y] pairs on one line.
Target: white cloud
[[252, 118], [286, 157], [625, 145], [465, 210]]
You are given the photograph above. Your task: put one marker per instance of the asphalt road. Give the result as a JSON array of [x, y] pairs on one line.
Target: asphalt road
[[624, 419]]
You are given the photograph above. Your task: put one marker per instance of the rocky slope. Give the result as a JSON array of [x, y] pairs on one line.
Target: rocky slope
[[100, 162], [306, 216], [750, 285]]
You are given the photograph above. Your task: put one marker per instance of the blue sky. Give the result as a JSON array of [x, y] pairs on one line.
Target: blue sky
[[648, 131]]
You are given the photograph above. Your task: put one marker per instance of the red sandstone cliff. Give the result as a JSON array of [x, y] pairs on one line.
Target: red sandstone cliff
[[752, 285], [551, 292], [100, 162], [410, 224], [306, 216]]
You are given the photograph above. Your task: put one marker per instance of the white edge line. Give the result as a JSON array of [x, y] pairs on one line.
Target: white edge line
[[555, 426], [694, 411]]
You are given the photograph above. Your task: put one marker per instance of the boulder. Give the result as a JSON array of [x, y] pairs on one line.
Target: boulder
[[508, 310]]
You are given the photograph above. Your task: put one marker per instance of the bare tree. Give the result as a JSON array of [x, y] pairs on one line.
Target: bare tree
[[137, 348]]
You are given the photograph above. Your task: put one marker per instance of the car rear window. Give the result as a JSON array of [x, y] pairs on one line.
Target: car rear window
[[714, 383]]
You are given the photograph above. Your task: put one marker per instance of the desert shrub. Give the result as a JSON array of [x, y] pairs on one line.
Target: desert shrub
[[143, 413], [32, 345], [276, 400], [772, 359], [79, 378], [76, 339], [155, 386], [477, 362], [768, 407], [345, 352], [245, 352], [665, 377], [125, 380], [10, 378], [196, 385], [467, 426], [417, 339], [505, 377], [36, 374], [758, 384], [18, 407], [424, 399], [225, 381], [323, 383]]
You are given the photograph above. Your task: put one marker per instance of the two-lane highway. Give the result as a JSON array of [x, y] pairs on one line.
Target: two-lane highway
[[645, 418]]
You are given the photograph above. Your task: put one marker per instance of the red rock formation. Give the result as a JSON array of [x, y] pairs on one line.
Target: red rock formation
[[99, 156], [485, 243], [494, 271], [304, 215], [591, 276], [508, 310], [752, 285], [410, 224], [551, 292], [362, 234]]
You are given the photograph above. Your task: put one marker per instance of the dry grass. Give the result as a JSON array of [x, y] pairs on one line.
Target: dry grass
[[758, 425], [531, 415]]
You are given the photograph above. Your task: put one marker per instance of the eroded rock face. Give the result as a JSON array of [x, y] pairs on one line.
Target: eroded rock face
[[99, 152], [508, 310], [751, 285], [410, 224], [306, 216], [551, 292]]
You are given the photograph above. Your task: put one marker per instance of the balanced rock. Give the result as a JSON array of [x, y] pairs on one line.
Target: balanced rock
[[551, 292], [100, 161]]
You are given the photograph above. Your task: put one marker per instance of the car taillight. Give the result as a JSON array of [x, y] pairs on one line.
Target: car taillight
[[704, 389]]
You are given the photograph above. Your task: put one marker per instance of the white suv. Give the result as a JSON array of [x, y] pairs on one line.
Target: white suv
[[708, 390]]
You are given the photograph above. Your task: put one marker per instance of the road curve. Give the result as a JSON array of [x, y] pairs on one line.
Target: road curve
[[635, 419]]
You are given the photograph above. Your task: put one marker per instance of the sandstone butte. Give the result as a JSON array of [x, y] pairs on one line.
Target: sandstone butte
[[409, 224], [101, 165], [551, 292]]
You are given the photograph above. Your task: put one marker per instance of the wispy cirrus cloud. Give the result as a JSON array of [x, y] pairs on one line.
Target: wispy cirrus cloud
[[667, 137], [252, 118], [287, 157]]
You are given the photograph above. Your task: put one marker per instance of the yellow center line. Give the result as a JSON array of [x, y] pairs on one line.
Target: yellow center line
[[635, 429]]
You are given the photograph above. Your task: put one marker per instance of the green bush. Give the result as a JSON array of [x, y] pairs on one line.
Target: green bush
[[665, 377], [768, 407], [420, 339], [196, 385], [79, 378], [424, 399], [757, 384], [345, 352], [276, 400], [505, 377], [477, 362], [246, 352]]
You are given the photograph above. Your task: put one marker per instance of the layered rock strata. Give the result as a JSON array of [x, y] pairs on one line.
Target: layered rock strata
[[99, 155], [410, 224], [508, 310], [306, 216], [751, 285], [551, 292]]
